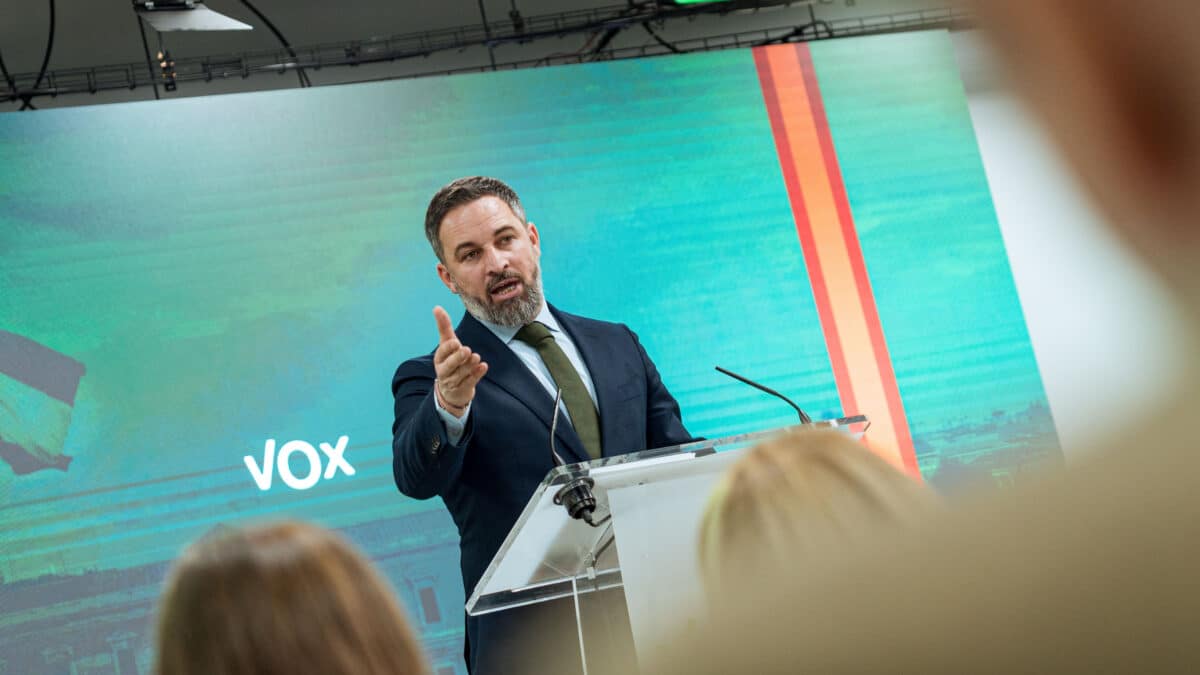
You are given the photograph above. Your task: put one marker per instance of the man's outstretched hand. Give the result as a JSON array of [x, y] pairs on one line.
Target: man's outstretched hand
[[458, 368]]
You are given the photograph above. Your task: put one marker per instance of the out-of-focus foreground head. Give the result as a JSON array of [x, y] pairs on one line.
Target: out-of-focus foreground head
[[281, 598], [795, 497], [1115, 83]]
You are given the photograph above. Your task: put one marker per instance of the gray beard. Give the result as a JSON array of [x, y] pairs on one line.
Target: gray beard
[[513, 313]]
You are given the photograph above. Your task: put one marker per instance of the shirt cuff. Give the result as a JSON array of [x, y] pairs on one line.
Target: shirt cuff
[[454, 425]]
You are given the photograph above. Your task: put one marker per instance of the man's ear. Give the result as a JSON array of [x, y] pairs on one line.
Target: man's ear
[[444, 275], [535, 239]]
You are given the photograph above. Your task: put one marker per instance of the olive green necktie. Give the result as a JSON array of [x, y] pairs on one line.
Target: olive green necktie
[[574, 393]]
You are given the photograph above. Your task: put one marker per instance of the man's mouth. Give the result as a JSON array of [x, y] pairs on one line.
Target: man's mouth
[[506, 289]]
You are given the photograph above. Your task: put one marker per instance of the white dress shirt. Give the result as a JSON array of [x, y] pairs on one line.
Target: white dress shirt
[[533, 361]]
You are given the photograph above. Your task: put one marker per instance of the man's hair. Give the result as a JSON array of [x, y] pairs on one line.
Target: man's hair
[[464, 191]]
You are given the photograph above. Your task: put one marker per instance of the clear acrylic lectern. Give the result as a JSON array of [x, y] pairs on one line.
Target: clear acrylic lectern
[[648, 506]]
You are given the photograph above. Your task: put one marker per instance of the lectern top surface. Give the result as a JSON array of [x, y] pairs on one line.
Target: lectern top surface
[[548, 555]]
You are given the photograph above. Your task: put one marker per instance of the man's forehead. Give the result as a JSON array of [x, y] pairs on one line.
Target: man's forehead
[[485, 208], [486, 214]]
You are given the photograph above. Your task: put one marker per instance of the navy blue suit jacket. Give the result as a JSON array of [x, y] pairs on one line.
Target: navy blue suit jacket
[[504, 452]]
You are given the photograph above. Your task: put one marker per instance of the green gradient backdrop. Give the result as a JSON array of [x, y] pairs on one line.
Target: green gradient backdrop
[[237, 268]]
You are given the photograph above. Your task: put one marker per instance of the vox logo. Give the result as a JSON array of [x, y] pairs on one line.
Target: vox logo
[[281, 462]]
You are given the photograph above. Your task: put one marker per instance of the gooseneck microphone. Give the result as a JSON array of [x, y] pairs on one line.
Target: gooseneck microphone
[[804, 418], [576, 496]]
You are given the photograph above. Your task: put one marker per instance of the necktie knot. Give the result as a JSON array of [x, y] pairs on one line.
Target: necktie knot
[[534, 333]]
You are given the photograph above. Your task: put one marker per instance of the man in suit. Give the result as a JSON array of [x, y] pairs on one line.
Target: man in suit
[[472, 419]]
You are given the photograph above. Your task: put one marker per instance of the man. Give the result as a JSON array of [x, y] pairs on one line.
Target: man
[[1092, 570], [473, 418]]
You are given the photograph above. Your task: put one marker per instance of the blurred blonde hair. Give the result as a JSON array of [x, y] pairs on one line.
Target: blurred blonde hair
[[282, 598], [793, 497]]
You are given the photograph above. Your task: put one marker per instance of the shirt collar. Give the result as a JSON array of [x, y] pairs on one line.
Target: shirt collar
[[507, 333]]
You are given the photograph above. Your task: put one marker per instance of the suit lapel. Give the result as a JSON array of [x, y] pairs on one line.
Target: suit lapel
[[600, 358], [509, 373]]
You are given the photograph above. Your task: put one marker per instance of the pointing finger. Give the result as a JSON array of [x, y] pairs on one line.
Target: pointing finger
[[445, 328]]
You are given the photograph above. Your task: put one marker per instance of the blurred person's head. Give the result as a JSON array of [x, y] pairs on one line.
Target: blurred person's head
[[283, 598], [797, 496], [1116, 85]]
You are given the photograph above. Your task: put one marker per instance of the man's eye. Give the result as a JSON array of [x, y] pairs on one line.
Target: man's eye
[[507, 239], [471, 255]]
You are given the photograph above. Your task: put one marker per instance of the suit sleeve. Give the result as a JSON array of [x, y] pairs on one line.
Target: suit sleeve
[[664, 424], [424, 461]]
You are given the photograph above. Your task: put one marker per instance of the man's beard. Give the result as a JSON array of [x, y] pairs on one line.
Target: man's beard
[[513, 313]]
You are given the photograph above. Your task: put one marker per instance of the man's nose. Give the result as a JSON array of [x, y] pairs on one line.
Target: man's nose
[[496, 261]]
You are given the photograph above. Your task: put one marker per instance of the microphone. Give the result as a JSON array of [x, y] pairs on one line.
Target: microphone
[[804, 418], [555, 458], [576, 496]]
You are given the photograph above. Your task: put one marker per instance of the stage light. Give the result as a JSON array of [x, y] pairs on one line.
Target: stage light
[[166, 16], [737, 4], [166, 66], [169, 16]]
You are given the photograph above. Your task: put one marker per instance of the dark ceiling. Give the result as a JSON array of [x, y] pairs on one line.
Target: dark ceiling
[[102, 32]]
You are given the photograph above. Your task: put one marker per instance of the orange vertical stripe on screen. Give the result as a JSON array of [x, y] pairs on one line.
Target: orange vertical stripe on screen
[[865, 379], [825, 232], [883, 360], [771, 96]]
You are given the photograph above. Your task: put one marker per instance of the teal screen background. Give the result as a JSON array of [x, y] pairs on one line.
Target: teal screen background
[[236, 268]]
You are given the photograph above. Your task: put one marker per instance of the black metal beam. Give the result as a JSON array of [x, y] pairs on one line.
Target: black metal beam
[[378, 50]]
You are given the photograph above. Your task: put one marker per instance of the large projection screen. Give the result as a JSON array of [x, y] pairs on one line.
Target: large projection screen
[[181, 281]]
